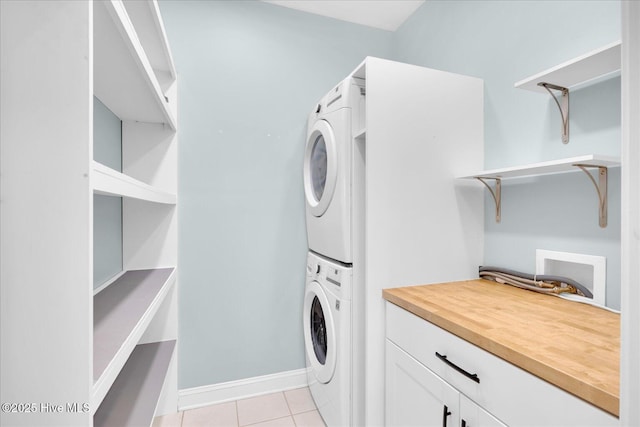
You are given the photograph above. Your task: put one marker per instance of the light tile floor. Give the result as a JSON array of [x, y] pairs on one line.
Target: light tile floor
[[282, 409]]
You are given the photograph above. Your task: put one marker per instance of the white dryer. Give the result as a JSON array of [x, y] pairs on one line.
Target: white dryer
[[327, 338], [328, 169]]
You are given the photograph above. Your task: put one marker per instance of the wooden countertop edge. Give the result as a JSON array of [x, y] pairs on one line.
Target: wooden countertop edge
[[586, 391]]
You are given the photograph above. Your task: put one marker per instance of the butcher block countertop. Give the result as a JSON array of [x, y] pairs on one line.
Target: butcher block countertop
[[571, 345]]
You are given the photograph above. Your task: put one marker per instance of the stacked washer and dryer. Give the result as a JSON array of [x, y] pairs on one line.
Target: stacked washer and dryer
[[383, 209], [327, 319]]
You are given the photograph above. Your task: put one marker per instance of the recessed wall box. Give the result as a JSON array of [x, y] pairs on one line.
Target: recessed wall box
[[589, 270]]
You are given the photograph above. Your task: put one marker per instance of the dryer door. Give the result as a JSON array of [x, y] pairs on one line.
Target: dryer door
[[319, 333], [320, 167]]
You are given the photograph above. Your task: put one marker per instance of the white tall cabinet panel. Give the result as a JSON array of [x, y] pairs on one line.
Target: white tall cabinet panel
[[424, 127], [45, 210], [72, 355], [630, 329]]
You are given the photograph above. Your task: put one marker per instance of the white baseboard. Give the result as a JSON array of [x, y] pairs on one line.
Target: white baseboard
[[197, 397]]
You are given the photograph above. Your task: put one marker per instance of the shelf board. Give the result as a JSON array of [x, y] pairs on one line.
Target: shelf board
[[133, 398], [113, 183], [146, 18], [121, 314], [124, 79], [545, 168], [593, 66]]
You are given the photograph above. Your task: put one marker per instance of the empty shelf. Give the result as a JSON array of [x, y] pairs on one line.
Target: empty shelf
[[550, 167], [121, 314], [123, 77], [134, 395], [147, 21], [113, 183], [593, 66], [602, 163]]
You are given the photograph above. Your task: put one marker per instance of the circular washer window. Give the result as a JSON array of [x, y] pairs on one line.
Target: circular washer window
[[319, 333], [320, 167]]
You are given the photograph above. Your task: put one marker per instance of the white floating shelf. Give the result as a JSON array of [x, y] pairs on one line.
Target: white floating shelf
[[145, 17], [124, 79], [121, 314], [602, 163], [593, 66], [134, 395], [545, 168], [113, 183]]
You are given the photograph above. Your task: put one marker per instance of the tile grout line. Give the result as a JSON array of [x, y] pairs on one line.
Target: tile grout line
[[274, 419], [237, 412], [271, 419], [288, 405]]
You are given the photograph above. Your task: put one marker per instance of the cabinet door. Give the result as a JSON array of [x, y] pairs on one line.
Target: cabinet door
[[415, 396], [472, 415]]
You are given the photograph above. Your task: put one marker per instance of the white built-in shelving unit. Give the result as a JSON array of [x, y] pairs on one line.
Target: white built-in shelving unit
[[135, 78], [79, 356]]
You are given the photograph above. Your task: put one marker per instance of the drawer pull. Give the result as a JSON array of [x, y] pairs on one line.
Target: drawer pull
[[473, 377], [445, 413]]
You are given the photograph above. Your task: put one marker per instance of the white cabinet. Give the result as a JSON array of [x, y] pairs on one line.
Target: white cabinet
[[415, 396], [72, 355], [490, 391], [473, 415]]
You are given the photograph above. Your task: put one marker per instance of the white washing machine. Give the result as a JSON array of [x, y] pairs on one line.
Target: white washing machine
[[327, 338], [328, 168]]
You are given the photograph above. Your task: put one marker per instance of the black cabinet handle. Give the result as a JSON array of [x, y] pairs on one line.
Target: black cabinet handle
[[445, 413], [473, 377], [464, 423]]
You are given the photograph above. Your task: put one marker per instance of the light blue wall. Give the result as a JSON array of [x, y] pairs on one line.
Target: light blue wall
[[503, 42], [107, 210], [107, 136], [249, 74]]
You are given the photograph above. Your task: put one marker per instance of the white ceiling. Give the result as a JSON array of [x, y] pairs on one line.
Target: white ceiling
[[383, 14]]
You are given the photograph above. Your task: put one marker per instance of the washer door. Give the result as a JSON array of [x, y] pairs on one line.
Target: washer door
[[319, 333], [320, 167]]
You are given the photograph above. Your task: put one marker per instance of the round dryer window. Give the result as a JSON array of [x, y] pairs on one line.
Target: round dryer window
[[319, 333], [320, 167]]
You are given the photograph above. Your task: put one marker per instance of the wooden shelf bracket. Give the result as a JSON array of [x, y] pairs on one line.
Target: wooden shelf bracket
[[601, 189], [563, 106], [496, 194]]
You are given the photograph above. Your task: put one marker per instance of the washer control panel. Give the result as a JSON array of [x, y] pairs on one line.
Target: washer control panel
[[330, 274], [333, 276]]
